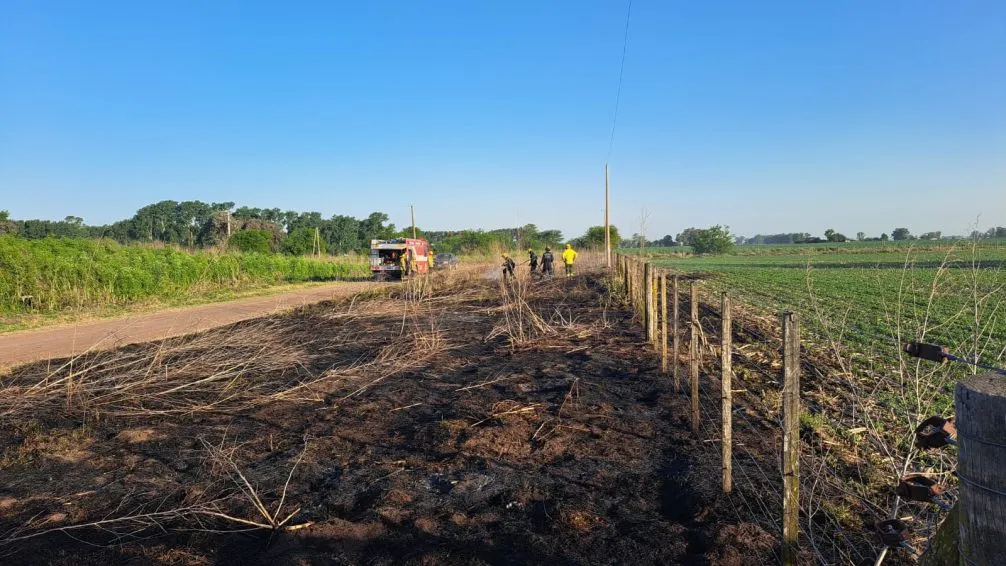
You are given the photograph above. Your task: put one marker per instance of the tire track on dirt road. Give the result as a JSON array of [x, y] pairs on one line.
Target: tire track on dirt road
[[67, 341]]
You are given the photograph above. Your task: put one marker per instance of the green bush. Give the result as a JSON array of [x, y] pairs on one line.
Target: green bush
[[715, 240], [299, 242], [250, 241]]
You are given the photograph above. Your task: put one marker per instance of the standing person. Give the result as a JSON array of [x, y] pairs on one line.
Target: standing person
[[508, 265], [546, 262], [430, 259], [568, 256], [403, 263], [532, 260]]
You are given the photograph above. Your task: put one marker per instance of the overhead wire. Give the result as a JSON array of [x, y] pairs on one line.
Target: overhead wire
[[618, 91]]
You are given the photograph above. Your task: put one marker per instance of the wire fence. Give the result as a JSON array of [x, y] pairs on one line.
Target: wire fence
[[861, 398]]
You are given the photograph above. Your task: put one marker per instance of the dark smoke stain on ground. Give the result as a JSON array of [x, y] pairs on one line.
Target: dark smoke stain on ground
[[586, 460]]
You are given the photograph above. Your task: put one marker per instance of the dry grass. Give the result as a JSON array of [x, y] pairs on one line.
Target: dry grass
[[331, 357], [285, 358], [214, 509]]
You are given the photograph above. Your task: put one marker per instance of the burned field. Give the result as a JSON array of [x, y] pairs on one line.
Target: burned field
[[456, 422]]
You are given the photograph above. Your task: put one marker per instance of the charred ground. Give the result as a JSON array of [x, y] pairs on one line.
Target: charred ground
[[455, 422]]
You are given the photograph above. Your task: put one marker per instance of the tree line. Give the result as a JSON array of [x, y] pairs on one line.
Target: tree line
[[196, 224], [688, 236]]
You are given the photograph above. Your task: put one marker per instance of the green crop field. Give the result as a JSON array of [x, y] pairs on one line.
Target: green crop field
[[861, 397], [62, 274], [875, 297]]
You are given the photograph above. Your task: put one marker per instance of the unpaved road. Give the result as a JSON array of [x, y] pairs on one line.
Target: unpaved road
[[66, 341]]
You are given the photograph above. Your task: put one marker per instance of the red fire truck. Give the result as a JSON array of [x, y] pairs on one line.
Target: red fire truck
[[385, 257]]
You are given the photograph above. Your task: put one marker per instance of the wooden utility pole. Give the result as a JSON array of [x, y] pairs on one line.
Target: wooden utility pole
[[607, 226], [413, 207], [726, 379], [663, 322], [675, 305], [791, 438], [980, 403], [693, 357]]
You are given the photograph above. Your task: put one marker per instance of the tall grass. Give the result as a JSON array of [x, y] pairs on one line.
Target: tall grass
[[62, 274]]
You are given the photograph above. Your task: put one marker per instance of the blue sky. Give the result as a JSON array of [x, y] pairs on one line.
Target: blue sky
[[766, 116]]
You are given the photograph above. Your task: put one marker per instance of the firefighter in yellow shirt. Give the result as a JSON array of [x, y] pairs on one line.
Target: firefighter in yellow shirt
[[568, 256]]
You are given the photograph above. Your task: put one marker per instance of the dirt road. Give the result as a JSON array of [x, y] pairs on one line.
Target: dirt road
[[66, 341]]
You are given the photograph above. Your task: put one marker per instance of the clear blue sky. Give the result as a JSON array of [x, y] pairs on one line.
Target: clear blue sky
[[766, 116]]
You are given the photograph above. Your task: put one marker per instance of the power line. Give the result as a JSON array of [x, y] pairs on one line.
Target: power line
[[618, 94]]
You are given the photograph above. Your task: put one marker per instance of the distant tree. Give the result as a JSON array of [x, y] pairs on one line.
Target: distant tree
[[997, 232], [644, 226], [527, 236], [373, 227], [594, 238], [342, 233], [246, 212], [861, 236], [553, 238], [250, 241], [714, 240], [883, 237], [298, 242], [900, 234], [7, 226], [833, 236], [931, 235], [687, 237], [306, 220], [666, 242]]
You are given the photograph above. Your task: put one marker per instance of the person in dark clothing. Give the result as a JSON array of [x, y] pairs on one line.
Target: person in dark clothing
[[546, 262], [532, 260], [508, 266]]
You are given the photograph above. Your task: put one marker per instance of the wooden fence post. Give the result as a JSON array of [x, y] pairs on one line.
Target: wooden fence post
[[648, 301], [726, 379], [655, 319], [630, 265], [693, 356], [663, 323], [675, 308], [629, 284], [641, 279], [980, 403], [635, 286], [641, 271], [790, 438]]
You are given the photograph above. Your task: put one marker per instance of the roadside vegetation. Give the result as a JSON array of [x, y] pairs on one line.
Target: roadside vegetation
[[65, 274]]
